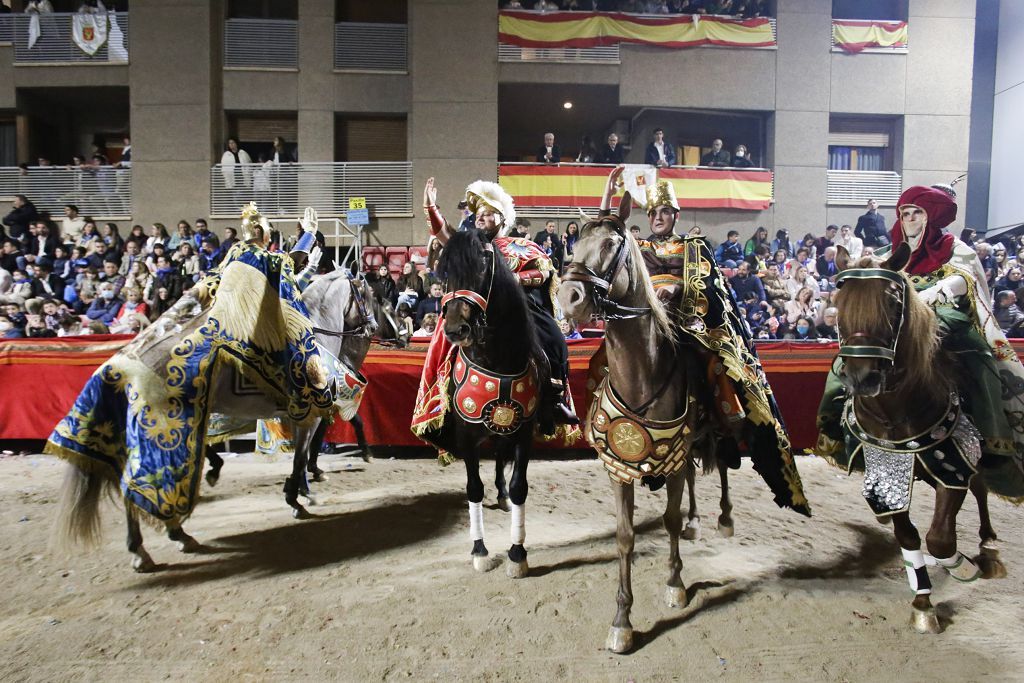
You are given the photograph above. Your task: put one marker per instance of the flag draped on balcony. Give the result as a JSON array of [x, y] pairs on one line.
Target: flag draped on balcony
[[853, 36], [582, 186], [596, 29]]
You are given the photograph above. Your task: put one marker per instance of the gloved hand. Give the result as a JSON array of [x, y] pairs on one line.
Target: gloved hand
[[310, 221], [313, 260]]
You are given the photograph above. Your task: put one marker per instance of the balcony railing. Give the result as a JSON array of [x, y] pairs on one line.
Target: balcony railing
[[371, 47], [285, 190], [564, 55], [901, 49], [264, 44], [855, 188], [101, 191], [6, 28], [54, 44]]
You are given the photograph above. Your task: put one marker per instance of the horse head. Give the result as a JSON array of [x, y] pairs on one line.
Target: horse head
[[885, 331], [390, 332], [467, 268]]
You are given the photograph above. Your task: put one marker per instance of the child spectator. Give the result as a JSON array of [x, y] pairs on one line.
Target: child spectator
[[133, 305], [106, 306], [427, 326]]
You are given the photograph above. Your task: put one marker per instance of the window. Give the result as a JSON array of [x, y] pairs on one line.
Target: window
[[8, 144], [371, 11], [881, 10], [262, 9], [370, 138], [861, 143]]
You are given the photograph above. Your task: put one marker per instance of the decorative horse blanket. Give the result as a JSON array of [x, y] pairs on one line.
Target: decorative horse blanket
[[142, 417]]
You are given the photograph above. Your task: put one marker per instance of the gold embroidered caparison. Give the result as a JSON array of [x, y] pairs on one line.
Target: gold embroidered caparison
[[631, 446]]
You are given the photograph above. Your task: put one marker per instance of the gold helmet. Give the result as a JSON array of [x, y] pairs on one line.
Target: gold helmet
[[252, 218], [485, 193], [661, 193]]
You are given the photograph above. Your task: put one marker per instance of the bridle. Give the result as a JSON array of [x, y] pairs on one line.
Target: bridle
[[875, 346], [367, 325], [477, 302], [600, 285]]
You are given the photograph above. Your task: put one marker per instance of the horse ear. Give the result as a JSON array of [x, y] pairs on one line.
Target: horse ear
[[842, 258], [899, 259], [625, 206]]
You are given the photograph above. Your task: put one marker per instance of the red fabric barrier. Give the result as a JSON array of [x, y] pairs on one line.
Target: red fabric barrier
[[40, 379]]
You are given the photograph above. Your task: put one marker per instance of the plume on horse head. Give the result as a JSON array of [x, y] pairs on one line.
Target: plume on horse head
[[858, 303]]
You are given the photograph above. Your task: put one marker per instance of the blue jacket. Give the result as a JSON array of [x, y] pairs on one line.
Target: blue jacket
[[651, 154], [729, 251], [103, 310]]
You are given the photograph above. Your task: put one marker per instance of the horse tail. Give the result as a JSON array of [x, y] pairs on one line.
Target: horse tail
[[78, 514]]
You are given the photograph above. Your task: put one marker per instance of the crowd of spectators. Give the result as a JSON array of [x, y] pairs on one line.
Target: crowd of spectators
[[745, 9], [658, 152], [72, 275]]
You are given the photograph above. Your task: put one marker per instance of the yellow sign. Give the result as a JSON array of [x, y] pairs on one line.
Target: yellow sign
[[356, 203]]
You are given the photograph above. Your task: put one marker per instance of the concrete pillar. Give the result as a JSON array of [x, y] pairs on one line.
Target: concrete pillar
[[176, 112]]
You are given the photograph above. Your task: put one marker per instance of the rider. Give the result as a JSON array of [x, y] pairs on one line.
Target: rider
[[949, 277], [688, 281], [495, 216]]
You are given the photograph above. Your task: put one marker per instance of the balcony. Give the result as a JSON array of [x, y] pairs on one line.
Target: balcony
[[370, 47], [100, 192], [560, 191], [55, 45], [285, 190], [261, 44], [855, 188], [853, 36], [595, 37]]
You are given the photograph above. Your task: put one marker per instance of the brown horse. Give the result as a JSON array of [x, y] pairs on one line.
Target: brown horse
[[903, 419], [648, 390]]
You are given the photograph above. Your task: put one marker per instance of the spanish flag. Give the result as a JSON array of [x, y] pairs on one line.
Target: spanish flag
[[582, 186], [853, 36], [596, 29]]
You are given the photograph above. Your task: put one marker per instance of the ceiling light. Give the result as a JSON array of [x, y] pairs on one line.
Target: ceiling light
[[567, 105]]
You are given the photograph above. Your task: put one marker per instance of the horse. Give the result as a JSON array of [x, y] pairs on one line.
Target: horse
[[497, 369], [346, 314], [648, 391], [903, 416], [78, 516]]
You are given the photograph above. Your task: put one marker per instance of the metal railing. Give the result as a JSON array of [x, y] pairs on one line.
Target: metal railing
[[565, 55], [6, 28], [371, 47], [54, 44], [900, 50], [102, 191], [855, 188], [287, 189], [261, 44]]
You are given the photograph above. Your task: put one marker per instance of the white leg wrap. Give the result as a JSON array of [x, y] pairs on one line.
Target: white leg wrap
[[476, 521], [913, 561], [518, 529], [959, 566]]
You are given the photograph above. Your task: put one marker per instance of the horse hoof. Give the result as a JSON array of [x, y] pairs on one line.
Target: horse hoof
[[299, 512], [482, 563], [367, 456], [310, 499], [925, 621], [990, 564], [964, 571], [726, 530], [691, 532], [675, 597], [620, 640], [142, 562], [516, 570], [187, 544], [503, 504], [318, 476], [212, 478]]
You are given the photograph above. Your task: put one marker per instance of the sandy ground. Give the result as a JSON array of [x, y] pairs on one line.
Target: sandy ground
[[379, 586]]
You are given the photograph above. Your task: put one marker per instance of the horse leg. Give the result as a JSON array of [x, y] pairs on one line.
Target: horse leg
[[499, 481], [186, 543], [941, 536], [475, 496], [213, 452], [692, 530], [141, 561], [991, 566], [725, 525], [675, 589], [316, 442], [296, 484], [620, 636], [357, 425], [923, 617], [516, 566]]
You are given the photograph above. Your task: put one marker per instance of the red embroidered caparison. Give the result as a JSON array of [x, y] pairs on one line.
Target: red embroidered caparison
[[501, 402]]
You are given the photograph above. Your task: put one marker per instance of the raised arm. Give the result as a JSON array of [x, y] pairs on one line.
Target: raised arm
[[610, 188], [439, 227]]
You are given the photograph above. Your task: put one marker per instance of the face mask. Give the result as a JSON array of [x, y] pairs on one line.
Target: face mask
[[802, 329], [739, 155], [107, 294]]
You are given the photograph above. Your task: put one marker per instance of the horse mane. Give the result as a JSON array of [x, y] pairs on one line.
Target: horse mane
[[642, 280], [858, 301]]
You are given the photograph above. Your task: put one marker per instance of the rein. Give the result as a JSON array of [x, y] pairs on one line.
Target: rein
[[365, 316], [601, 285], [884, 350]]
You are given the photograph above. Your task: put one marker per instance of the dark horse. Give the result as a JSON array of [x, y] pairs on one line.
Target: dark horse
[[904, 420], [497, 368]]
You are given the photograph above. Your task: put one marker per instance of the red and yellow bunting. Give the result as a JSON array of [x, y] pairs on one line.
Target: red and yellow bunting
[[582, 186], [853, 36], [596, 29]]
